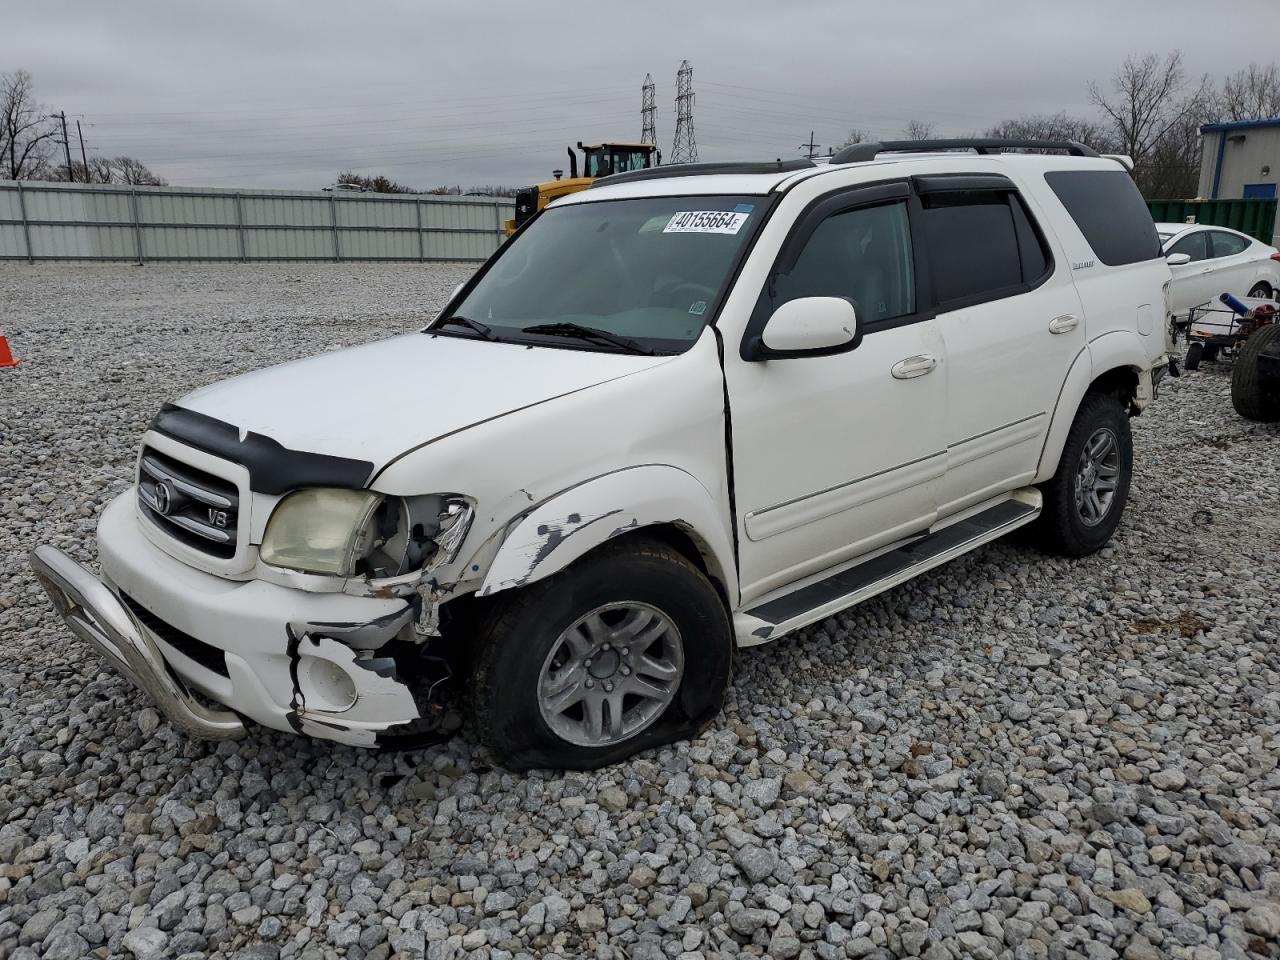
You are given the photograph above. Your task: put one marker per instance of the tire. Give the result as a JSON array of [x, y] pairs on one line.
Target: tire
[[1260, 290], [541, 637], [1064, 526], [1254, 396], [1210, 353], [1195, 350]]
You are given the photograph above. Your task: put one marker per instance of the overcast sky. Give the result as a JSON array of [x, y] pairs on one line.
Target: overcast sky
[[286, 94]]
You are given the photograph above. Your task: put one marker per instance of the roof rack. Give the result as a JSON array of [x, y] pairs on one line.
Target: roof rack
[[861, 152], [702, 169]]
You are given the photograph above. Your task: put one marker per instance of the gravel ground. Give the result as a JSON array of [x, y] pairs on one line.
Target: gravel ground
[[1010, 756]]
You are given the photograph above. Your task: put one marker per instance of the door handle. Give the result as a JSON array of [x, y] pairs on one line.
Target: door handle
[[913, 367], [1064, 324]]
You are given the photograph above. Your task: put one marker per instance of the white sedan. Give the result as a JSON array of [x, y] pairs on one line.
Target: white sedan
[[1208, 261]]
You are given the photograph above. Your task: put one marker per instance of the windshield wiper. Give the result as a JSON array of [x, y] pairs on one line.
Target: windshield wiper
[[483, 329], [580, 332]]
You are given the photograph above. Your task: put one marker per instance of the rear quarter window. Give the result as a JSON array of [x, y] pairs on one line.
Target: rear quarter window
[[1110, 212]]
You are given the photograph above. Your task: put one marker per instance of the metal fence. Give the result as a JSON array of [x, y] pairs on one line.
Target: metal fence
[[77, 221], [1254, 217]]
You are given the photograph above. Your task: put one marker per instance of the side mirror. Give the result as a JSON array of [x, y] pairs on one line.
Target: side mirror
[[1177, 259], [810, 326]]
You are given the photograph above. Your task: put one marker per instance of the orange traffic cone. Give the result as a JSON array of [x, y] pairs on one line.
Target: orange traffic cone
[[7, 359]]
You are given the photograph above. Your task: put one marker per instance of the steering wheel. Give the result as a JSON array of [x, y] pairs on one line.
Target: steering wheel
[[700, 291]]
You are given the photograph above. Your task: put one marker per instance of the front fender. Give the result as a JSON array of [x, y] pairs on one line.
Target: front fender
[[555, 533]]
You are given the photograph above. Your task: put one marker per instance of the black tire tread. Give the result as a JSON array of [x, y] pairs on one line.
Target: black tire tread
[[507, 612], [1251, 394], [1055, 528]]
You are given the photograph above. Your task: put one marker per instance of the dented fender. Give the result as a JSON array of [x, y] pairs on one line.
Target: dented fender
[[557, 531]]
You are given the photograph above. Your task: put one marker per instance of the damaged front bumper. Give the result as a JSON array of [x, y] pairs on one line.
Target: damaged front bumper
[[290, 660], [93, 614]]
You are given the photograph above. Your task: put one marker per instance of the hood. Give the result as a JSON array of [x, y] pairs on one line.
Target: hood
[[376, 401]]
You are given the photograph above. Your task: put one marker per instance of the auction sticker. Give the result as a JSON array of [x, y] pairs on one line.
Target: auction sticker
[[706, 221]]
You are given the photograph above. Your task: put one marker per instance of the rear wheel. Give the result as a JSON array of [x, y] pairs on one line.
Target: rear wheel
[[1195, 352], [627, 649], [1085, 499], [1260, 289], [1254, 395]]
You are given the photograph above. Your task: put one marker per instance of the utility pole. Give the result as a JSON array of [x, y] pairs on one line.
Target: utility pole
[[685, 148], [66, 144], [84, 160], [810, 148], [648, 112]]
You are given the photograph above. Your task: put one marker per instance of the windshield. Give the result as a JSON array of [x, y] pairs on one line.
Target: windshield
[[651, 270]]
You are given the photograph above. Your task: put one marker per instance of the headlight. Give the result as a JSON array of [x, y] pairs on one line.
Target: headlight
[[358, 533], [320, 530]]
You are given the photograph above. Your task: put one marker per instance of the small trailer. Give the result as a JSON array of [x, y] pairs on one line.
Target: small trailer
[[1220, 326]]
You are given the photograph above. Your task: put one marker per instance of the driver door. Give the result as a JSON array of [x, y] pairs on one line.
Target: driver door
[[837, 455]]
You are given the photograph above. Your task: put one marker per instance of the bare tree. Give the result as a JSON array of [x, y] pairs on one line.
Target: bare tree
[[378, 184], [132, 171], [26, 131], [98, 171], [856, 135], [1057, 126], [1150, 99], [1252, 93], [918, 130]]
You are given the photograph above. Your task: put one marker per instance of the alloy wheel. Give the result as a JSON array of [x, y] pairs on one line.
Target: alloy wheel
[[1097, 476], [611, 674]]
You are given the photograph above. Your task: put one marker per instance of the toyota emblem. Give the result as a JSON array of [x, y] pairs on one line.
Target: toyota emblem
[[163, 498]]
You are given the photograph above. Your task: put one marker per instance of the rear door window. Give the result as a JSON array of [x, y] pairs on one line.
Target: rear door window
[[1110, 212], [1193, 245], [982, 245], [1227, 244]]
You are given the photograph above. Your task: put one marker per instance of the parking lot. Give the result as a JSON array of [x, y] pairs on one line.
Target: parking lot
[[1012, 755]]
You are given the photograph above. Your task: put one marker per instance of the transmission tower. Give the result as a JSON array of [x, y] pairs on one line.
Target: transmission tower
[[685, 148], [648, 112]]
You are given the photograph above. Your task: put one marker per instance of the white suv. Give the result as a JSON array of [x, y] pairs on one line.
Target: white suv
[[689, 409]]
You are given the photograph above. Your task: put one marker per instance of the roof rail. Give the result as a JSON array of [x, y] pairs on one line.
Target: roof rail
[[860, 152], [702, 169]]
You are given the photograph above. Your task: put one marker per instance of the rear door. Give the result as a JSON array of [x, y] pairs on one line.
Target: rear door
[[1233, 267], [1011, 323]]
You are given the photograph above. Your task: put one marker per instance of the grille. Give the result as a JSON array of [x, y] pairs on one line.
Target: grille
[[192, 506], [209, 657]]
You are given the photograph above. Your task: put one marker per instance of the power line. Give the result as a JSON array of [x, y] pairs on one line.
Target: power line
[[648, 112], [684, 149]]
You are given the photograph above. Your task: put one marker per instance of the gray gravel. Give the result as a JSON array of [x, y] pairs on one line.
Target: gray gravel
[[1011, 756]]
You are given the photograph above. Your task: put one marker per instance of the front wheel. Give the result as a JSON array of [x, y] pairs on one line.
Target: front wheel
[[1260, 290], [1085, 499], [1195, 352], [627, 649]]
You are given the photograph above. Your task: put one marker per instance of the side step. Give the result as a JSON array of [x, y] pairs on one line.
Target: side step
[[813, 602]]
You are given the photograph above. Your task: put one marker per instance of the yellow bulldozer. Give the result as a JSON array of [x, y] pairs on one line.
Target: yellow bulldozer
[[597, 161]]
